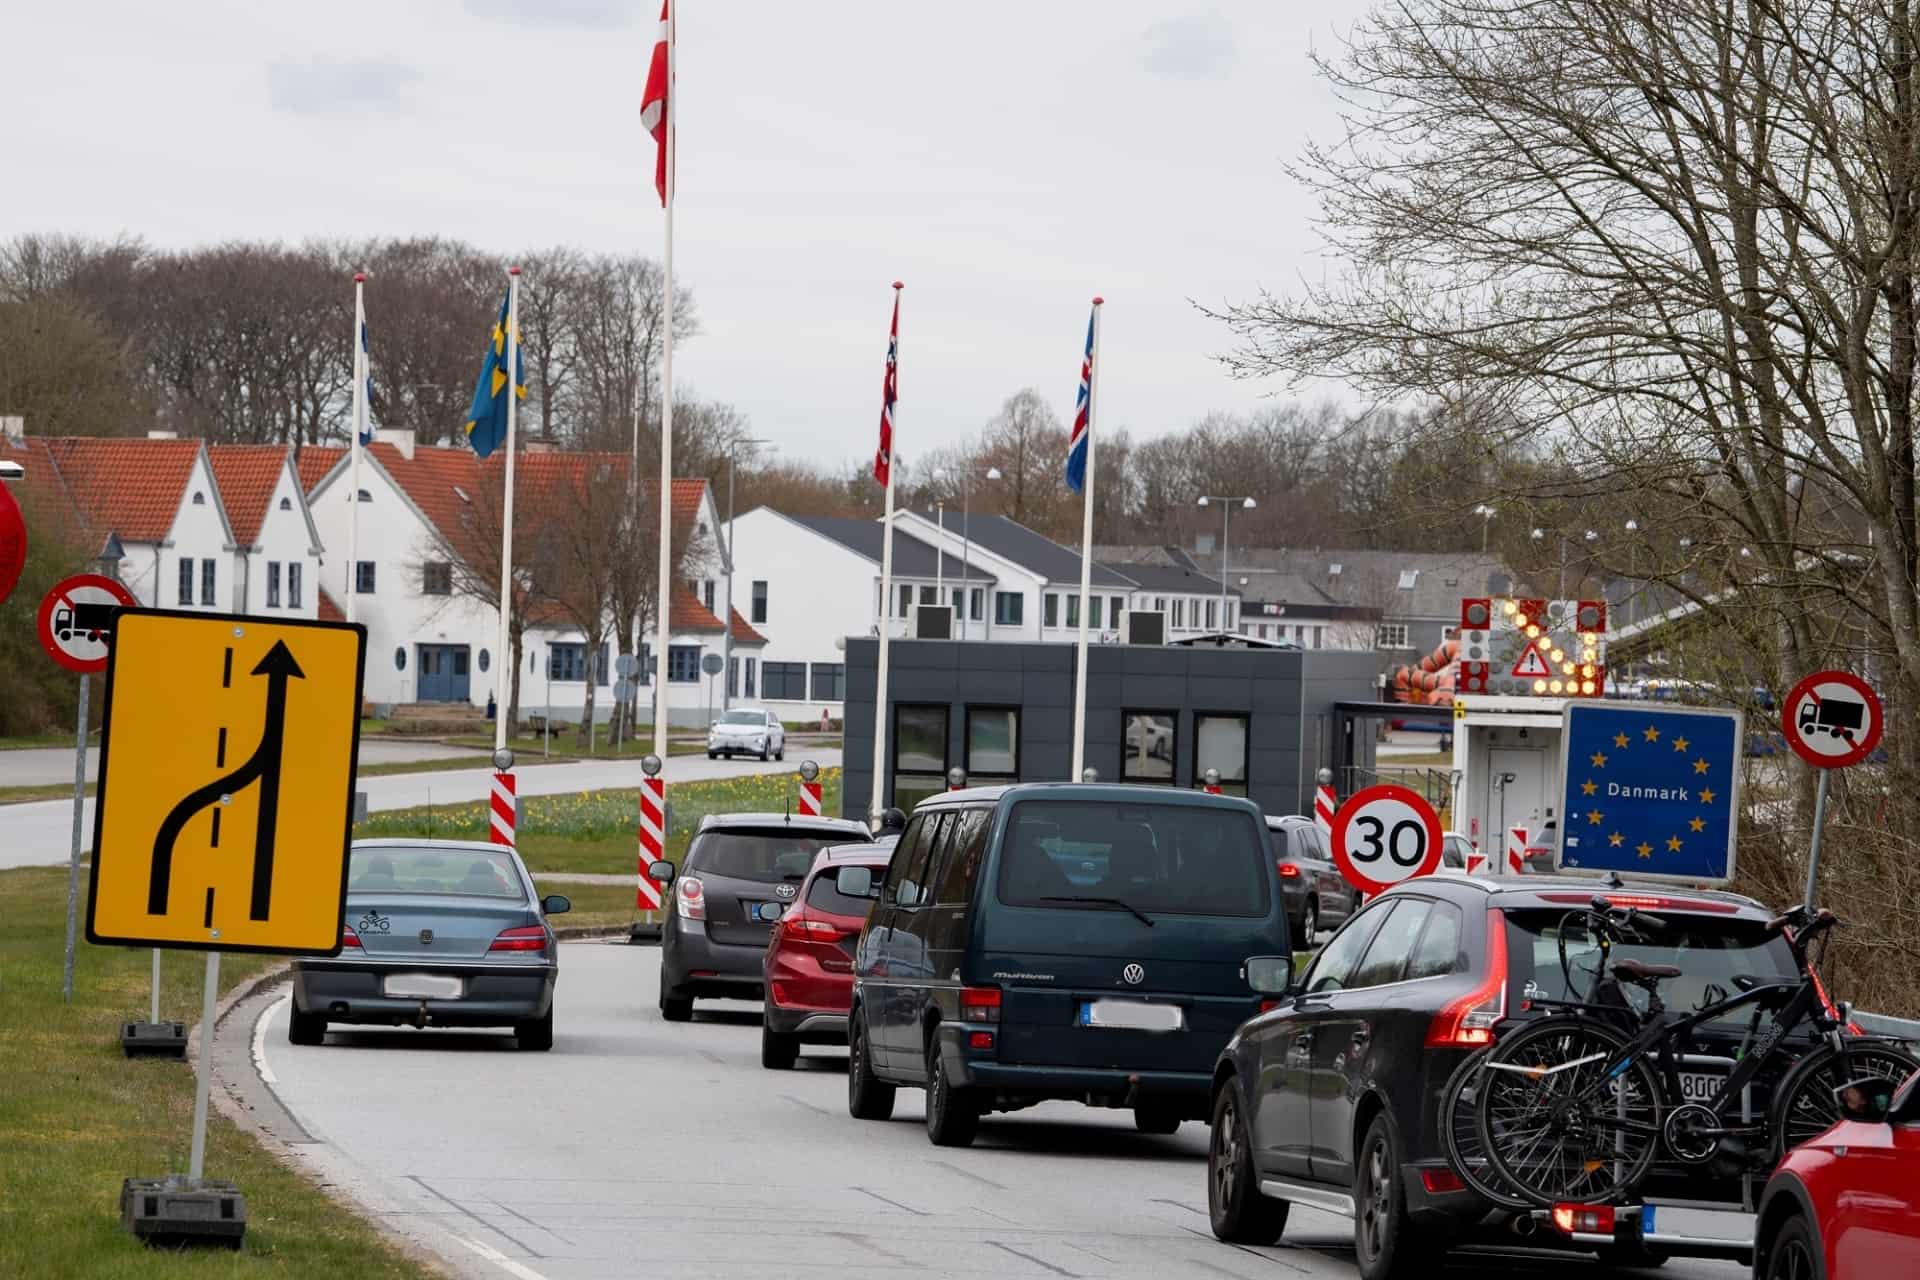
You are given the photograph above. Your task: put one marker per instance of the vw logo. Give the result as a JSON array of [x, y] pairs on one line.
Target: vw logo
[[783, 891], [1133, 975]]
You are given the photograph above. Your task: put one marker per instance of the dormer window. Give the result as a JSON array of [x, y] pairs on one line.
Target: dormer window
[[1408, 577], [199, 499], [365, 496], [286, 504]]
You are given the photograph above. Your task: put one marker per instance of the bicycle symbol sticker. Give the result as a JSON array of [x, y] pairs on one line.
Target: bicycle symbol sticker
[[1383, 835]]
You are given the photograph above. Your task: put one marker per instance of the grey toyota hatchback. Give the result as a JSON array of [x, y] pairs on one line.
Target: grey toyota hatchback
[[742, 872]]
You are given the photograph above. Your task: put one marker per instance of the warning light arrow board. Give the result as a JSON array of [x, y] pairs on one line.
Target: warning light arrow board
[[226, 783]]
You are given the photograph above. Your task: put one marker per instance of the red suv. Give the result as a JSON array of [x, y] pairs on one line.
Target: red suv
[[1847, 1203], [808, 967]]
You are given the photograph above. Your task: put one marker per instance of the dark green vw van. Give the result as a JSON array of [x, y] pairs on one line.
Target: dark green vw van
[[1059, 941]]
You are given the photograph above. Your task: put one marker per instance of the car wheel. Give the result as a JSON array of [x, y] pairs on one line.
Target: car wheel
[[1795, 1254], [868, 1097], [713, 755], [778, 1052], [952, 1117], [1156, 1120], [1385, 1242], [1239, 1212], [536, 1035], [304, 1027], [1309, 924], [763, 755], [781, 754], [676, 1008]]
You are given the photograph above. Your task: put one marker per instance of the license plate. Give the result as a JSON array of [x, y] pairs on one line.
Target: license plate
[[1700, 1086], [1132, 1015], [764, 911], [419, 986], [1691, 1223]]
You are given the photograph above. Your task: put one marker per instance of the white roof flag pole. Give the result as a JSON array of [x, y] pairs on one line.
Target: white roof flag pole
[[883, 472], [362, 376], [1082, 437], [505, 664], [660, 115]]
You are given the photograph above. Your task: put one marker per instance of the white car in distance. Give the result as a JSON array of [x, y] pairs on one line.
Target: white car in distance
[[747, 731]]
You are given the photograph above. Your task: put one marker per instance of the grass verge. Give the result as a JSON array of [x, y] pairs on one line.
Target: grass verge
[[30, 792], [77, 1117], [595, 906]]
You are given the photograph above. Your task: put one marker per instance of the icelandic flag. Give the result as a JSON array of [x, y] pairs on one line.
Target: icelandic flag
[[1082, 420], [363, 381], [487, 416]]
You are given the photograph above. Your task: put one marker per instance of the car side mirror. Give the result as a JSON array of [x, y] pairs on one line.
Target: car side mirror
[[1868, 1100], [556, 904], [855, 882], [660, 872], [1269, 975]]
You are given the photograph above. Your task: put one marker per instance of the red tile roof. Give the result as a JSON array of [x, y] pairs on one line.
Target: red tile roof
[[129, 486], [329, 611], [247, 475], [744, 634], [313, 461], [689, 614]]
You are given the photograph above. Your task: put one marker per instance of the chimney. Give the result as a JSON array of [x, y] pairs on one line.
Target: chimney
[[13, 430], [163, 435], [401, 438]]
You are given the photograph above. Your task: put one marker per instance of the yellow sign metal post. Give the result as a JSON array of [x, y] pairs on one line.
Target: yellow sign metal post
[[225, 809], [226, 783]]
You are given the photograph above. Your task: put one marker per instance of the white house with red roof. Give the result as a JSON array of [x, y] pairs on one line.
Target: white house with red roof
[[424, 507], [277, 549]]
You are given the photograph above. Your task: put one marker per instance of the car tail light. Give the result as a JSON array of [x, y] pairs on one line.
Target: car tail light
[[1467, 1023], [1288, 871], [348, 938], [1440, 1181], [806, 928], [980, 1040], [532, 937], [1644, 902], [1584, 1219], [690, 898], [1268, 1006], [980, 1004]]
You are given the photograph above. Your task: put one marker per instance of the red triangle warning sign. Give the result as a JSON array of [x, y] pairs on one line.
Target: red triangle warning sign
[[1532, 662]]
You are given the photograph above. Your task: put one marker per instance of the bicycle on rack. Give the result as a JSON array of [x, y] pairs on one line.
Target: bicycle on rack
[[1574, 1107]]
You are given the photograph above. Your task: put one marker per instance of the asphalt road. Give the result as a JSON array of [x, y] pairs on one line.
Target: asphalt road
[[640, 1147], [42, 766], [40, 834]]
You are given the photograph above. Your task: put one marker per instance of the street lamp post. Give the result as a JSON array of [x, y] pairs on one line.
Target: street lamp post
[[726, 623], [1226, 512], [1486, 514]]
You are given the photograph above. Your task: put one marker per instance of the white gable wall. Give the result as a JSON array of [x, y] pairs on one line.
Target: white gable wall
[[285, 539]]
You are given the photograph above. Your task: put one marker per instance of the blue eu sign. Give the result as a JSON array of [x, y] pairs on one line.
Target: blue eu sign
[[1650, 790]]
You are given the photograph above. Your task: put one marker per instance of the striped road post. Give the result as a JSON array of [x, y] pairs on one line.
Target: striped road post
[[502, 803], [653, 834], [1325, 804], [810, 790]]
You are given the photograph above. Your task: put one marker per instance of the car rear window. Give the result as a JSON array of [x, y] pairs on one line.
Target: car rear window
[[825, 894], [475, 873], [1709, 950], [1173, 858], [766, 856]]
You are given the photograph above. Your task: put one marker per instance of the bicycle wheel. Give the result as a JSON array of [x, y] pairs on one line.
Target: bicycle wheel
[[1556, 1125], [1460, 1131], [1805, 1107]]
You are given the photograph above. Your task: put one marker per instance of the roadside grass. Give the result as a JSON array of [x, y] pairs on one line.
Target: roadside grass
[[595, 906], [1427, 760], [77, 1117], [27, 741], [39, 791], [64, 790], [527, 746]]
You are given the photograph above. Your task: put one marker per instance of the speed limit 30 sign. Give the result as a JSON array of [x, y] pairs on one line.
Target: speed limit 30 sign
[[1383, 835]]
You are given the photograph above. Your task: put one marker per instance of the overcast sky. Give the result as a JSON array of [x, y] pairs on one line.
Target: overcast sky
[[1006, 160]]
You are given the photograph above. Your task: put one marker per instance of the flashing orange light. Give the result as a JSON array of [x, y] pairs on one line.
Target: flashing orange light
[[1539, 686], [1554, 687], [1586, 686]]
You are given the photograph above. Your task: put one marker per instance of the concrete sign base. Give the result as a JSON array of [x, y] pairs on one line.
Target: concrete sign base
[[175, 1211]]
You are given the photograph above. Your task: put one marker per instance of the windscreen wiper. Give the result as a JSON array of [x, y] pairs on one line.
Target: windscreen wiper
[[1112, 902]]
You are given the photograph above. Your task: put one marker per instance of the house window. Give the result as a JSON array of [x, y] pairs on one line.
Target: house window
[[273, 584], [199, 499], [782, 681], [905, 603], [286, 504], [363, 578], [436, 578], [1213, 614], [1093, 612], [1050, 609], [749, 684], [186, 580], [1114, 606], [929, 595], [919, 753], [1390, 635], [1160, 604], [365, 496], [485, 659], [1073, 610], [1148, 746], [1009, 608], [293, 584], [208, 591], [602, 669], [829, 682], [959, 603], [759, 610], [1409, 578], [706, 594], [993, 743], [979, 610], [567, 662], [1179, 614], [1220, 742], [683, 664]]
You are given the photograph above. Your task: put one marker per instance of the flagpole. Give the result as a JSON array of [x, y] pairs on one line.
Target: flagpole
[[886, 574], [662, 608], [1086, 557], [505, 665], [359, 428]]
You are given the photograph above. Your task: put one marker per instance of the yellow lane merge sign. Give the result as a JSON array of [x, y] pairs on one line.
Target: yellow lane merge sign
[[226, 783]]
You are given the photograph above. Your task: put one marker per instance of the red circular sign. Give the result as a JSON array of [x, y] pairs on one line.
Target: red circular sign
[[1832, 719], [76, 621], [13, 543], [1383, 835]]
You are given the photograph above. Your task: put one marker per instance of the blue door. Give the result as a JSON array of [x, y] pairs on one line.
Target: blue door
[[444, 673]]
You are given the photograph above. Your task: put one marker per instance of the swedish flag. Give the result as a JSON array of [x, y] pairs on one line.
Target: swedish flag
[[487, 416]]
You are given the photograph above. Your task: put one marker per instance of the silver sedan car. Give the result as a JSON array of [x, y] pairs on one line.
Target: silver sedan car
[[446, 933]]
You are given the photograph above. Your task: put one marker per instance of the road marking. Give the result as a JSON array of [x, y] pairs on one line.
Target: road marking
[[501, 1260], [260, 1040]]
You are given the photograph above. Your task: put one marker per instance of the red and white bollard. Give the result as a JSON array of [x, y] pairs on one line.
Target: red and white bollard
[[1516, 850], [810, 806], [653, 833], [1210, 782], [956, 779], [501, 801], [1325, 804]]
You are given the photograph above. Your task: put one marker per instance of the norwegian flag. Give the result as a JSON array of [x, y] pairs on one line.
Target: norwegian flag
[[1082, 419], [653, 102], [889, 392]]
